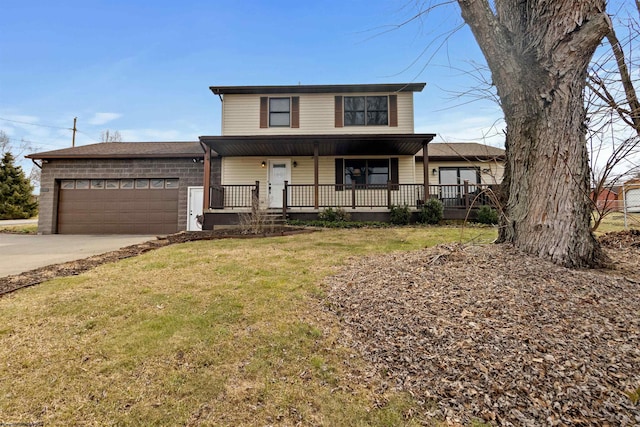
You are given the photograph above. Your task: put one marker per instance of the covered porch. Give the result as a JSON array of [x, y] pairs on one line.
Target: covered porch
[[314, 190]]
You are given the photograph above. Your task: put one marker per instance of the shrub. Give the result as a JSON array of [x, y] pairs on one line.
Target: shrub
[[334, 215], [487, 215], [400, 215], [432, 212]]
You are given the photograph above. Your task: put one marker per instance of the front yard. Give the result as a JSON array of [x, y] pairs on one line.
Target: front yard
[[251, 332]]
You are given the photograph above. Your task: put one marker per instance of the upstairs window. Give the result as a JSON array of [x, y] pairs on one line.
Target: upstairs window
[[279, 112], [366, 111]]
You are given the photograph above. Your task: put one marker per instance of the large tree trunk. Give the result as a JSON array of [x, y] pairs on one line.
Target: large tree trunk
[[538, 52]]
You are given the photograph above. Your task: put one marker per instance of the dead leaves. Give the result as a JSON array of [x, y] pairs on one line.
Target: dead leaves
[[498, 336]]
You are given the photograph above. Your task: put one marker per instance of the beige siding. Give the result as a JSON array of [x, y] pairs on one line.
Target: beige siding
[[491, 172], [241, 116]]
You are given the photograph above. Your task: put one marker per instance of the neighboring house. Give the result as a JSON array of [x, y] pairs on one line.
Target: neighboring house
[[290, 149], [606, 201]]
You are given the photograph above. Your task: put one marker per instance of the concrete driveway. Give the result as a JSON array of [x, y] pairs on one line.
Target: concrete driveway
[[20, 253]]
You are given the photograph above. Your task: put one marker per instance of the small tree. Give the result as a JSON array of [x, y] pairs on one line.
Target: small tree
[[16, 200], [108, 136]]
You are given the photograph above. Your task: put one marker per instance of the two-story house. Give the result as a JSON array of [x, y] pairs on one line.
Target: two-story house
[[300, 149], [291, 149]]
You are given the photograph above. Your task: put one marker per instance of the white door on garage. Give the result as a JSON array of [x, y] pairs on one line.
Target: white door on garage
[[194, 206]]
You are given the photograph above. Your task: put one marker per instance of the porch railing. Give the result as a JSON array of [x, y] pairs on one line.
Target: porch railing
[[355, 195], [234, 196]]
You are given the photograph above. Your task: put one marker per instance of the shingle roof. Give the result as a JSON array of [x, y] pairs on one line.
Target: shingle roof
[[466, 150], [349, 88], [111, 150]]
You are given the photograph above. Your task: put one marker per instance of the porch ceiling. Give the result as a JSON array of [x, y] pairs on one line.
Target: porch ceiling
[[328, 145]]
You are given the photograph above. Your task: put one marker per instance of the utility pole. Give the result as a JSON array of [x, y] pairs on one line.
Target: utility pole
[[73, 139]]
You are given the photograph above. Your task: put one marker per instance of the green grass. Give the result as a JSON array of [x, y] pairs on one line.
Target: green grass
[[614, 221], [227, 332], [20, 229]]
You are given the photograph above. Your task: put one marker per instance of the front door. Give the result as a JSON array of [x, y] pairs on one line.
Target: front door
[[279, 172], [194, 206]]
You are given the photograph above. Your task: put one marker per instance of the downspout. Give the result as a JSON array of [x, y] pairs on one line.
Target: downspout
[[36, 163]]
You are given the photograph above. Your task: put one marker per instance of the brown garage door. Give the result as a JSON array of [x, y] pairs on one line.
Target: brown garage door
[[134, 207]]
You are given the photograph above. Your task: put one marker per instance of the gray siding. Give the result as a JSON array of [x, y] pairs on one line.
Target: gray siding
[[187, 172]]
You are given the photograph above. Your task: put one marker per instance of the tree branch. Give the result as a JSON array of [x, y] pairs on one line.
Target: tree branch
[[629, 90]]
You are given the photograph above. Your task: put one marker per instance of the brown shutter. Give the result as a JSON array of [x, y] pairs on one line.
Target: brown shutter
[[394, 174], [295, 111], [393, 111], [339, 114], [264, 112], [339, 174]]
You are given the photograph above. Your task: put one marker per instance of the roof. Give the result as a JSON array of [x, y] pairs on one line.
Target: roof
[[328, 145], [116, 150], [465, 150], [351, 88]]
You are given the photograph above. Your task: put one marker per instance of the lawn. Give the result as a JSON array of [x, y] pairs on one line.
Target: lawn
[[226, 332], [614, 221], [20, 229]]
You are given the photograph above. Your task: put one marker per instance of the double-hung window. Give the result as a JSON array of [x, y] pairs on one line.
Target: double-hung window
[[279, 112], [366, 111]]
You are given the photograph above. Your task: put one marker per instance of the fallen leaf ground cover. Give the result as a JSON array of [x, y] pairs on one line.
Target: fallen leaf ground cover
[[495, 335]]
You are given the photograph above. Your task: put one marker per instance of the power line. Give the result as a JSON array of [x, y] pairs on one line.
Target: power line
[[49, 126], [16, 140], [34, 124]]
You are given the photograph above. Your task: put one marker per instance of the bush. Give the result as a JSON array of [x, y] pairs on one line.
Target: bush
[[334, 215], [400, 215], [487, 215], [432, 212]]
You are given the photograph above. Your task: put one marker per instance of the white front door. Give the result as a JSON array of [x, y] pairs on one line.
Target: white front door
[[279, 172], [194, 207]]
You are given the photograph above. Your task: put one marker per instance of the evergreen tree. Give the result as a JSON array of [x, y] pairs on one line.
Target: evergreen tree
[[16, 201]]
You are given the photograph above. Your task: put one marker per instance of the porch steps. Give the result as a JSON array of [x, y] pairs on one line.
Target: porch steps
[[275, 218]]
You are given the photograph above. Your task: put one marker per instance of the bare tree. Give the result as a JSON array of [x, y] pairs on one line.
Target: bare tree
[[107, 136], [538, 52], [613, 114], [16, 148]]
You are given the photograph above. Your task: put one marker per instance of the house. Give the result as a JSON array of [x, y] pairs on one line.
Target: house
[[300, 149], [290, 149]]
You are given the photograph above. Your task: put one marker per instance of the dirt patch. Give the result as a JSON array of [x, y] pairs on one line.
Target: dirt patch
[[12, 283], [488, 333]]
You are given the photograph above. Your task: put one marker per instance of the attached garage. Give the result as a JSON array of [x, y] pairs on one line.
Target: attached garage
[[128, 206], [119, 188]]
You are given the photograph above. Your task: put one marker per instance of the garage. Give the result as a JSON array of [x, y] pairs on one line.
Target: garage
[[119, 188], [632, 200], [118, 206]]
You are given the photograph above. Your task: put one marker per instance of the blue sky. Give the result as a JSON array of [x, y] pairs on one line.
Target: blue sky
[[143, 68]]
